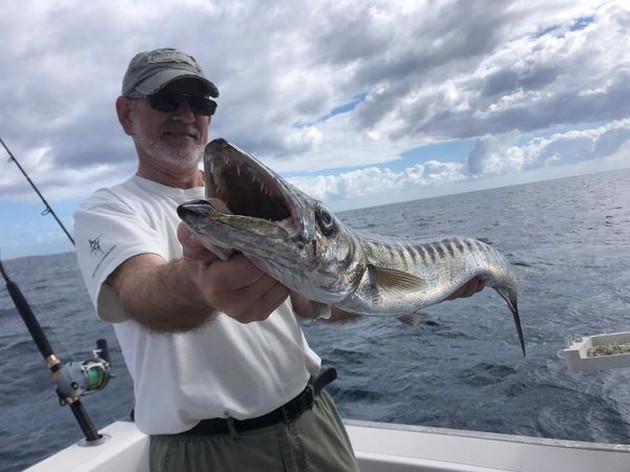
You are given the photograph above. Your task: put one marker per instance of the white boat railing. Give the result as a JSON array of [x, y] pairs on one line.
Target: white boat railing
[[382, 447]]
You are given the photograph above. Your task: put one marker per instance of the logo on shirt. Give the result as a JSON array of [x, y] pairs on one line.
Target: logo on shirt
[[96, 250], [95, 245]]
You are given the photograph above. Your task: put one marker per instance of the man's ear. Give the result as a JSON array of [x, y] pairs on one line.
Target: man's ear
[[123, 110]]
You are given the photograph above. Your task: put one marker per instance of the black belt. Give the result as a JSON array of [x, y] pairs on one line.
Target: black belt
[[286, 413]]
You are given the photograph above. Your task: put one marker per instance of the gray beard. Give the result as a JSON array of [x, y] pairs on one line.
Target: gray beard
[[180, 157]]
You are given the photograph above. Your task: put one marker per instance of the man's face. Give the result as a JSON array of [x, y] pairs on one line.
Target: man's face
[[175, 138]]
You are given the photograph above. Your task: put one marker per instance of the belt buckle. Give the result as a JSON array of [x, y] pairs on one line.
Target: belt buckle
[[310, 394]]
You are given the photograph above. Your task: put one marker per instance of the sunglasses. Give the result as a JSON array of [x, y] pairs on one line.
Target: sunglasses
[[171, 101]]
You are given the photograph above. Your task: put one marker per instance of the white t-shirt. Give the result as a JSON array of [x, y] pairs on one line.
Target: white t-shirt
[[221, 369]]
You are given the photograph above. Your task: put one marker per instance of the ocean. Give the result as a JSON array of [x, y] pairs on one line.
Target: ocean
[[460, 367]]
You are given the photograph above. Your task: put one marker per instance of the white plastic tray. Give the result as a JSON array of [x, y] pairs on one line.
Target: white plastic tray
[[603, 351]]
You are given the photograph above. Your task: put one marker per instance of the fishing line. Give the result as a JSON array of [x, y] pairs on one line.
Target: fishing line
[[48, 209], [48, 323]]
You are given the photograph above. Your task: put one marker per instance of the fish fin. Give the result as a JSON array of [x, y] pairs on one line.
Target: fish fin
[[320, 310], [411, 320], [397, 282]]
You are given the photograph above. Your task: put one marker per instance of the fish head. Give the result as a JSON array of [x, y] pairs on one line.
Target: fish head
[[284, 232]]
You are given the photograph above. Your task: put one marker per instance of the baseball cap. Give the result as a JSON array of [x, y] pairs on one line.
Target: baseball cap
[[150, 71]]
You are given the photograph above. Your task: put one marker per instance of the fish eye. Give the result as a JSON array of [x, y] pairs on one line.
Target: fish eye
[[325, 221]]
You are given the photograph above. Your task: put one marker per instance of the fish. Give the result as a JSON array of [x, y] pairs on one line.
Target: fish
[[298, 241]]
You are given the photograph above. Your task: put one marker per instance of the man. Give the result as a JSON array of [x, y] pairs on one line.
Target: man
[[219, 364]]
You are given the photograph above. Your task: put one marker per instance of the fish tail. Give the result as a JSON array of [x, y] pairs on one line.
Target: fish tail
[[510, 297]]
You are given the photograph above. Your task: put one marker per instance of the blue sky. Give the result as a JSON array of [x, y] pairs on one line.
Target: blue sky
[[358, 103]]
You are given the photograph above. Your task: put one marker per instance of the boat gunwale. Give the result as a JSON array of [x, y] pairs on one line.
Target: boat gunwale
[[491, 436]]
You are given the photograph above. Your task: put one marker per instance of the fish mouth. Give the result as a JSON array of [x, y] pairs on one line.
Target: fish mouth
[[247, 187]]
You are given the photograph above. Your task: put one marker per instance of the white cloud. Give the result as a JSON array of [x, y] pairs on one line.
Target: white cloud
[[495, 156], [503, 73]]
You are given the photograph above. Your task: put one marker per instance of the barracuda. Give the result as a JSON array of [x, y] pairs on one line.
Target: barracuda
[[298, 241]]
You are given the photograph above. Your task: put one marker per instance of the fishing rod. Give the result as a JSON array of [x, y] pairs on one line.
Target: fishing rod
[[48, 209], [72, 379]]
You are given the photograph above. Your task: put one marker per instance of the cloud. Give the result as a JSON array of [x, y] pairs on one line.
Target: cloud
[[495, 156], [426, 72], [373, 182], [530, 82]]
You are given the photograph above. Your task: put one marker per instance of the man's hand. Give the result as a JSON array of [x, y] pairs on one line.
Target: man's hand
[[236, 287]]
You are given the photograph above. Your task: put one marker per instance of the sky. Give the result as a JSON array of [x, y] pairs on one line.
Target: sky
[[358, 103]]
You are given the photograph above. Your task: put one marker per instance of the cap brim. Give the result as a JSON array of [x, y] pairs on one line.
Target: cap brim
[[162, 78]]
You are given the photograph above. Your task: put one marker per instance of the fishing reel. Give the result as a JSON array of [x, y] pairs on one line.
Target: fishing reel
[[75, 379]]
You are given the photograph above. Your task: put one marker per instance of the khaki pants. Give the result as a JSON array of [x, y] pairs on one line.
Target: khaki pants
[[315, 442]]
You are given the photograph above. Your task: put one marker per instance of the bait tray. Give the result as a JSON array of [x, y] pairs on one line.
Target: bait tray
[[613, 351]]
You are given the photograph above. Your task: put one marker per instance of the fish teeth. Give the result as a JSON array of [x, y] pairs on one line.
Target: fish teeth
[[287, 225]]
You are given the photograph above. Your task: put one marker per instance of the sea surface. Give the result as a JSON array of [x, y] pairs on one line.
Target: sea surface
[[460, 367]]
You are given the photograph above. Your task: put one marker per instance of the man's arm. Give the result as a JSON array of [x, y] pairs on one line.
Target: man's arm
[[184, 294], [159, 295]]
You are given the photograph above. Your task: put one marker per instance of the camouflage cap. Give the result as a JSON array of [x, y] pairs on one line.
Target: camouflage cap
[[150, 71]]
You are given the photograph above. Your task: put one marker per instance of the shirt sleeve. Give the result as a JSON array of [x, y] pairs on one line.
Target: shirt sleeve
[[108, 232]]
